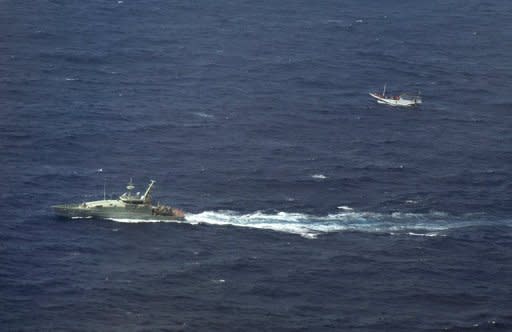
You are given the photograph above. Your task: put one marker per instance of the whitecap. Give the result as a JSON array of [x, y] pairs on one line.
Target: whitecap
[[310, 235], [345, 208], [203, 115], [319, 176], [423, 234]]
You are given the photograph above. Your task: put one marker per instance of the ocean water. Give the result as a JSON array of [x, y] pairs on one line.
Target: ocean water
[[309, 206]]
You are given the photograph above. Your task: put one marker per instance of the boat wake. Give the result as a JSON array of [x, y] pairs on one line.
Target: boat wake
[[309, 226]]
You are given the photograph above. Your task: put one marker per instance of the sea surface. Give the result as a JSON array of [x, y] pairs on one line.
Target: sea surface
[[309, 206]]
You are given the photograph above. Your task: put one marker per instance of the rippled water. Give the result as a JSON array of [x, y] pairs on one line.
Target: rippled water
[[309, 206]]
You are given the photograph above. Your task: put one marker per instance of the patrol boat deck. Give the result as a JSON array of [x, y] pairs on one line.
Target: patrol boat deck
[[128, 206]]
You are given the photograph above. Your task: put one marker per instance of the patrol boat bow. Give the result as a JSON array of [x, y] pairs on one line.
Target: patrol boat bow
[[128, 206]]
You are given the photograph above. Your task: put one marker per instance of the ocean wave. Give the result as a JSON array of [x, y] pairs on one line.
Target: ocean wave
[[430, 224], [204, 115]]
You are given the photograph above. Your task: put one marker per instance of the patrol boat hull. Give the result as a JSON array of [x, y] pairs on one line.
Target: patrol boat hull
[[128, 206], [130, 211]]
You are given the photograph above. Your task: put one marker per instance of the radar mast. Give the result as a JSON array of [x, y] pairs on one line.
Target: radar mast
[[130, 185]]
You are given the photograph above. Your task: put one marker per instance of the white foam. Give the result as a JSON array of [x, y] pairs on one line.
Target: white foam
[[204, 115], [319, 176], [295, 223], [136, 221], [423, 234], [345, 208], [311, 226]]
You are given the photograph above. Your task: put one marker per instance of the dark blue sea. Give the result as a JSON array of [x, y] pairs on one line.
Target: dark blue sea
[[310, 207]]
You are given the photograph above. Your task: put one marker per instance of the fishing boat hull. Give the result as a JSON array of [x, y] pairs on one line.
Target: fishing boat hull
[[396, 102]]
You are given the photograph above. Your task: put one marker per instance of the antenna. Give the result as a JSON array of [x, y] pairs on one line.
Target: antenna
[[130, 185]]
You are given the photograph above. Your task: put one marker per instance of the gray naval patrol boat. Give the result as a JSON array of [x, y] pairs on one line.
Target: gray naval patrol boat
[[127, 206]]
